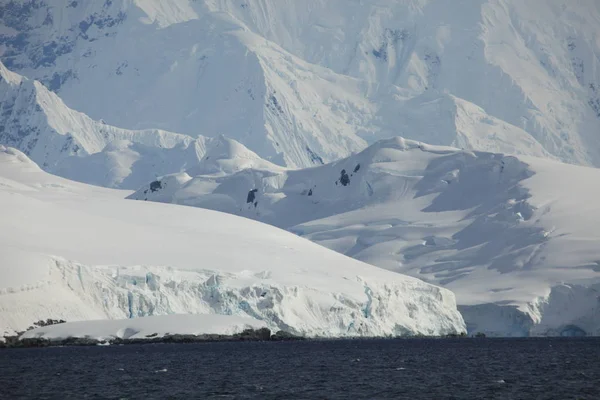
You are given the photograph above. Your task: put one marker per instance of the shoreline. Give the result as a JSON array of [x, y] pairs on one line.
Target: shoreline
[[248, 335]]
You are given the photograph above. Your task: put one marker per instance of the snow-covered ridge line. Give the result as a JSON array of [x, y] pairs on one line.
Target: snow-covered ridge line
[[76, 252], [300, 89], [34, 114], [70, 144]]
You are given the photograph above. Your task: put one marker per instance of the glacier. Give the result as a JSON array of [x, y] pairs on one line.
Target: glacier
[[77, 252], [513, 237]]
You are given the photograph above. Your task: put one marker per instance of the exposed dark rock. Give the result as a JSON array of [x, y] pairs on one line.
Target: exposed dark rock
[[381, 53], [57, 80], [156, 185], [314, 157], [85, 341], [283, 335], [344, 178], [10, 341], [41, 342], [273, 104], [262, 334], [256, 335], [356, 168], [456, 335], [251, 196], [47, 322], [310, 192]]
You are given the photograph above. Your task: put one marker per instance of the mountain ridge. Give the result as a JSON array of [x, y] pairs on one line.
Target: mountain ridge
[[223, 70]]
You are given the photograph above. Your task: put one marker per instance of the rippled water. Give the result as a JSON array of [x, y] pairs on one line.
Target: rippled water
[[350, 369]]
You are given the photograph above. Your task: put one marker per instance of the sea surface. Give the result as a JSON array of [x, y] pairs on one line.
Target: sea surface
[[548, 368]]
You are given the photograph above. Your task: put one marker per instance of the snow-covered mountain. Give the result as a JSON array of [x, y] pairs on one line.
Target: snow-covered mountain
[[70, 144], [235, 106], [514, 238], [304, 82], [77, 252]]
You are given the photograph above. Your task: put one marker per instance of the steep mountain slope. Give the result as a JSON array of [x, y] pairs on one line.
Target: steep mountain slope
[[78, 252], [70, 144], [514, 238], [300, 87], [532, 64], [102, 61]]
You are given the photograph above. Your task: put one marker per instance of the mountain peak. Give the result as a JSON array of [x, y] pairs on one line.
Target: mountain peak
[[69, 143], [8, 76]]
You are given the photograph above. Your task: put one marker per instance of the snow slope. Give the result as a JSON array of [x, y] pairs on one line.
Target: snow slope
[[514, 238], [532, 64], [301, 83], [144, 327], [70, 144], [77, 252]]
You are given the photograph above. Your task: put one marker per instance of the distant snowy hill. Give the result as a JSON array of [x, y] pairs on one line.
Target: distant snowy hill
[[305, 82], [77, 252], [70, 144], [514, 238]]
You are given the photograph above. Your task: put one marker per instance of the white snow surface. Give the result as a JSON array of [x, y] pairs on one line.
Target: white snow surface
[[224, 97], [301, 82], [77, 252], [145, 327], [515, 238], [70, 144]]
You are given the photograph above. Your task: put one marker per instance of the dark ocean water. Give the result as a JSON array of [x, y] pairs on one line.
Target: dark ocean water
[[560, 368]]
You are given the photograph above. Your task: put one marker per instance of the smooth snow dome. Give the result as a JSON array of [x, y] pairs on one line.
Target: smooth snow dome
[[306, 82], [77, 252], [147, 327], [514, 238]]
